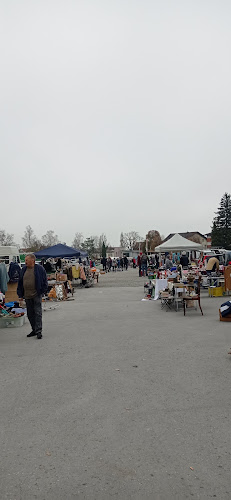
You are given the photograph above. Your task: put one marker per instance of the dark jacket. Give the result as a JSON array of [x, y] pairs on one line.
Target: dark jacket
[[40, 281], [14, 272], [184, 260], [144, 259]]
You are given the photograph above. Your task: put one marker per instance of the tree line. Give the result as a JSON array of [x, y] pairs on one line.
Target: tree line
[[31, 243], [93, 245], [98, 245]]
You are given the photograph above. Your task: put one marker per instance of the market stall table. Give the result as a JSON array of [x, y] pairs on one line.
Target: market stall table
[[167, 300], [178, 288], [161, 284]]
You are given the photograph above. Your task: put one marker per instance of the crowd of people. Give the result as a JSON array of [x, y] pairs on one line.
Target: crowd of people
[[119, 263]]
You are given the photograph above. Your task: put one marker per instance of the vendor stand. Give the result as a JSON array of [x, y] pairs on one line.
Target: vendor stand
[[179, 286], [71, 273], [173, 293]]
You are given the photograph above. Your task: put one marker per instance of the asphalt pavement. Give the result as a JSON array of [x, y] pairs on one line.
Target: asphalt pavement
[[120, 399]]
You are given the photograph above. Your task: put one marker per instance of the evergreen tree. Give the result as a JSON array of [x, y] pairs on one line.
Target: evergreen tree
[[104, 250], [221, 230], [215, 236]]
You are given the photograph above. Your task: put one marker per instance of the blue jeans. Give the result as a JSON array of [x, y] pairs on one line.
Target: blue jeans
[[145, 268]]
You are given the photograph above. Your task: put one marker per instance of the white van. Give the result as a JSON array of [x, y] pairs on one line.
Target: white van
[[8, 255]]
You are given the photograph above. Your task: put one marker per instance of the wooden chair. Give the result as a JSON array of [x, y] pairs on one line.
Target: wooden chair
[[194, 297]]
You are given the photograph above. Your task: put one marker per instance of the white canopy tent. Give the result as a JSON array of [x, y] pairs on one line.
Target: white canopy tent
[[178, 243]]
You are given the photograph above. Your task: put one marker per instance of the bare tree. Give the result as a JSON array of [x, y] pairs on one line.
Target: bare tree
[[29, 238], [29, 241], [95, 240], [130, 239], [37, 245], [6, 238], [50, 238], [102, 239], [78, 240], [153, 239]]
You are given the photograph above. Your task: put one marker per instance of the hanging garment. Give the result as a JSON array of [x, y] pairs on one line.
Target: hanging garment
[[14, 272], [75, 272], [4, 278], [82, 274], [69, 273]]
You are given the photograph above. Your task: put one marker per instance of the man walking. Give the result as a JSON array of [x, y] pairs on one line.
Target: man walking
[[32, 285], [139, 263], [144, 264], [104, 262]]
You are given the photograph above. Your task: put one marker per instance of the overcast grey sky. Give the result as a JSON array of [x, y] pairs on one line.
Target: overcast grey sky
[[115, 115]]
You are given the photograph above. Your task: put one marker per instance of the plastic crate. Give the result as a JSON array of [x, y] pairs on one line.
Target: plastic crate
[[11, 322], [217, 291]]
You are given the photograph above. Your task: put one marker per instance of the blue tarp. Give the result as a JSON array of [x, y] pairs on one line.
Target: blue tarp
[[59, 251]]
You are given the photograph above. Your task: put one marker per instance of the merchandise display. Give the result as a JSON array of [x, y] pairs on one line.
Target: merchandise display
[[11, 315], [181, 286]]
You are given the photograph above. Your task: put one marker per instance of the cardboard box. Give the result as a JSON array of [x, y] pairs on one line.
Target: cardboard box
[[227, 318], [61, 277], [11, 294]]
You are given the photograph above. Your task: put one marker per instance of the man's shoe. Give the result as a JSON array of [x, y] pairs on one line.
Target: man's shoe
[[39, 336], [31, 334]]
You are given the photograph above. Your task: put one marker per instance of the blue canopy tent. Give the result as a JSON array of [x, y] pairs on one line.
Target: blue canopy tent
[[61, 251]]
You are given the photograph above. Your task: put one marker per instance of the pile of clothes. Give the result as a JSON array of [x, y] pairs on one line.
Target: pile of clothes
[[11, 309], [225, 308]]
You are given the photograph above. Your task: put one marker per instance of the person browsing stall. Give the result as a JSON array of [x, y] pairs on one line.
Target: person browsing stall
[[144, 264], [212, 265], [184, 260], [168, 262], [32, 285]]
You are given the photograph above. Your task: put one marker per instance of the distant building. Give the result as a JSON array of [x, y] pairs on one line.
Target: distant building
[[209, 240], [115, 252]]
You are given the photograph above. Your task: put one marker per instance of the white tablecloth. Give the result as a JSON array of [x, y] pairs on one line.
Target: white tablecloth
[[160, 285]]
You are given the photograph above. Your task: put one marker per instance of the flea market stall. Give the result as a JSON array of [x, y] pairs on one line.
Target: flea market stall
[[177, 285], [181, 285], [66, 267]]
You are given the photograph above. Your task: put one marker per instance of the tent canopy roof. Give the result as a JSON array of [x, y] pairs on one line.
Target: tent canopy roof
[[60, 251], [177, 242]]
